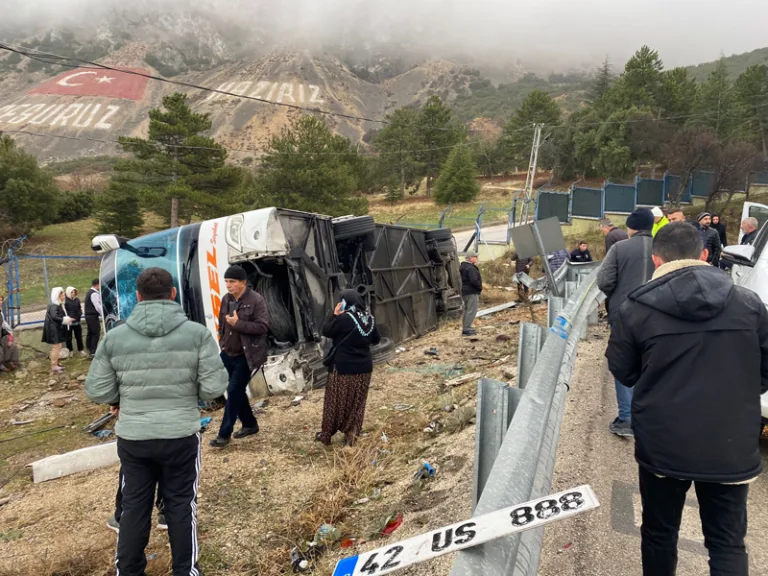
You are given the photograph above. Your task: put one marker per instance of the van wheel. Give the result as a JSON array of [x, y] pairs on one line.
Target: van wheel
[[353, 227]]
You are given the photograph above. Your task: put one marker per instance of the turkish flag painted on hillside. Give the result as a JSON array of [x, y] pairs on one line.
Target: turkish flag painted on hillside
[[94, 82]]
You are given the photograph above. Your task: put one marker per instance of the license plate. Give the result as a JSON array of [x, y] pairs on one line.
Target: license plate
[[473, 532]]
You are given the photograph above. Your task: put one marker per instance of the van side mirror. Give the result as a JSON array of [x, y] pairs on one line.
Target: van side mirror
[[741, 255]]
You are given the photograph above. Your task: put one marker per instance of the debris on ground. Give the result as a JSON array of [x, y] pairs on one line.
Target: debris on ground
[[261, 404], [425, 472], [102, 434], [432, 352], [384, 438], [327, 534], [4, 501], [99, 423], [434, 428], [393, 523], [402, 407], [464, 379], [297, 400], [20, 422], [401, 350], [205, 422]]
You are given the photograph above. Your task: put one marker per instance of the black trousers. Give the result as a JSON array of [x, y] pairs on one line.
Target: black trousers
[[175, 465], [75, 330], [119, 497], [237, 398], [94, 333], [723, 511]]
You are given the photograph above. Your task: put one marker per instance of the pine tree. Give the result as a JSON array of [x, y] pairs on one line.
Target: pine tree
[[457, 181], [180, 170], [603, 81], [437, 135], [516, 140], [398, 145], [308, 167], [717, 107], [751, 89], [118, 210]]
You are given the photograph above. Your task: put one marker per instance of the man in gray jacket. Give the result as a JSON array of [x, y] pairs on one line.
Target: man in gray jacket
[[627, 266], [157, 366]]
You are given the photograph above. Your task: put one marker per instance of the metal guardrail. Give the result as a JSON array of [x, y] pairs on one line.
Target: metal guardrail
[[519, 468]]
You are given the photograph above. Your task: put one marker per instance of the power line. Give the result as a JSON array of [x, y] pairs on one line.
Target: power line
[[61, 61]]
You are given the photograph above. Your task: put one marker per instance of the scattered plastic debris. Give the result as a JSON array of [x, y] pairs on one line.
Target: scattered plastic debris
[[424, 473], [401, 350], [327, 534], [204, 422], [434, 427], [102, 434], [296, 401], [384, 438], [432, 352], [21, 422], [392, 524], [298, 563], [350, 542], [402, 407]]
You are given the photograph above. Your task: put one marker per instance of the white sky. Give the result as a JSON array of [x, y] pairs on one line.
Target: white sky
[[573, 31]]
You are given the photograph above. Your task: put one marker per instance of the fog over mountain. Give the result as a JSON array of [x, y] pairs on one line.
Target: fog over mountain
[[544, 34]]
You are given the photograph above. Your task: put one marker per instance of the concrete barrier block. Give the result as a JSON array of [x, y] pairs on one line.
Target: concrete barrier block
[[81, 460]]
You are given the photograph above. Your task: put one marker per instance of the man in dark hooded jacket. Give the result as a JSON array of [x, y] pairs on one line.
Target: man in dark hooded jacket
[[710, 238], [694, 421]]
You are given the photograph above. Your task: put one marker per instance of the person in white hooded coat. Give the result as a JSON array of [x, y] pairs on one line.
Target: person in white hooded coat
[[55, 326]]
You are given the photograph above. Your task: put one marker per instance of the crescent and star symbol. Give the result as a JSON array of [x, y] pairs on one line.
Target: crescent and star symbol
[[65, 81]]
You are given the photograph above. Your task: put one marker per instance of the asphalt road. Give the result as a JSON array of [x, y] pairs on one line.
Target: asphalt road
[[496, 233], [606, 542]]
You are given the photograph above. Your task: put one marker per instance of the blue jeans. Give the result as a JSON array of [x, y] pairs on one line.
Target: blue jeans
[[624, 400], [237, 397]]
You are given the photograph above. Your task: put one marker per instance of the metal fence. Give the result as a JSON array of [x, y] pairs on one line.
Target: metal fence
[[29, 279], [594, 203], [518, 429]]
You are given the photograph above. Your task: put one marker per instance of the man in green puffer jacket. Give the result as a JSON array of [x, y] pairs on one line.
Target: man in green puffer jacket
[[157, 366]]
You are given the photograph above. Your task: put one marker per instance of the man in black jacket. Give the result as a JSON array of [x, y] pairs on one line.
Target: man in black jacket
[[627, 266], [710, 238], [581, 254], [612, 234], [93, 317], [243, 327], [471, 287], [695, 421]]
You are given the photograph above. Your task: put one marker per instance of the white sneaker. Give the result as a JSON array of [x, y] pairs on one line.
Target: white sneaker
[[84, 354]]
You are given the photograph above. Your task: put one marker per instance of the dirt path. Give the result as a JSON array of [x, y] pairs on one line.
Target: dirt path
[[607, 541]]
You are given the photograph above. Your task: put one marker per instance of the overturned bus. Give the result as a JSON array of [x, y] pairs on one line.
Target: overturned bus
[[299, 262]]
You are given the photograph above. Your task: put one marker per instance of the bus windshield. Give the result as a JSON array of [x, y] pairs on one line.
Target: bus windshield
[[121, 268]]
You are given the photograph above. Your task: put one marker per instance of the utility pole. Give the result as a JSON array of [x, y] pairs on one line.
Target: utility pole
[[528, 192]]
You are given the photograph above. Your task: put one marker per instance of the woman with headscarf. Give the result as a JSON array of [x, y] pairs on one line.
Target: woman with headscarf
[[353, 331], [718, 225], [74, 310], [55, 326]]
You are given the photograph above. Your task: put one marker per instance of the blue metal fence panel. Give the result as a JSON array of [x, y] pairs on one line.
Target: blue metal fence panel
[[760, 178], [551, 204], [620, 198], [587, 202], [672, 187], [650, 192], [701, 184]]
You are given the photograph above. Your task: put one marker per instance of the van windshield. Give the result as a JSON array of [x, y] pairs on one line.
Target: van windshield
[[121, 268]]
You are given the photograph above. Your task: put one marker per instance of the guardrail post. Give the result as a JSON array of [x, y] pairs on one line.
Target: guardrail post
[[532, 337], [45, 278], [555, 306], [492, 421]]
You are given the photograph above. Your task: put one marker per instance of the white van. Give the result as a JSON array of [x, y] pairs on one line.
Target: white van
[[750, 263]]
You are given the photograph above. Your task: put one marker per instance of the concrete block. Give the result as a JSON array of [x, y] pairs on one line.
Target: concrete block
[[81, 460]]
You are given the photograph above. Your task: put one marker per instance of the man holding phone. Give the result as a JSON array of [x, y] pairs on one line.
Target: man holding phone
[[243, 328]]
